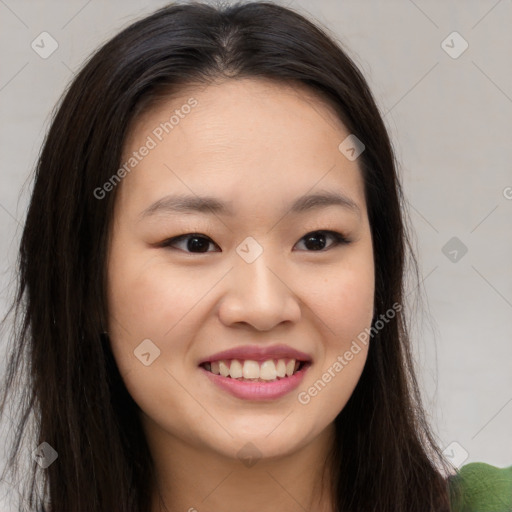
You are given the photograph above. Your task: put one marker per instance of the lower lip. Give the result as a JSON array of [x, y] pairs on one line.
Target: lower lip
[[258, 390]]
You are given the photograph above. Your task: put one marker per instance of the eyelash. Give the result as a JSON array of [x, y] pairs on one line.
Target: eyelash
[[339, 239]]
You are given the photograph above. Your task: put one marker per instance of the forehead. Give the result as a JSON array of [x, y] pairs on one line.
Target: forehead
[[244, 138]]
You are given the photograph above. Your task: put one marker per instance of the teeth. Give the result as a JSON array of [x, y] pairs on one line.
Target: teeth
[[224, 369], [251, 370], [236, 371], [267, 370], [281, 368]]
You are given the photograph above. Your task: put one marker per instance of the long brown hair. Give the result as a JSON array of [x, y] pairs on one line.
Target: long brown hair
[[386, 458]]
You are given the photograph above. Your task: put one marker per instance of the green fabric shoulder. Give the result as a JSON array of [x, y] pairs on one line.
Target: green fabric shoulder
[[482, 488]]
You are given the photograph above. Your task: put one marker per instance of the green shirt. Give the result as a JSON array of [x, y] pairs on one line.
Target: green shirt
[[484, 488]]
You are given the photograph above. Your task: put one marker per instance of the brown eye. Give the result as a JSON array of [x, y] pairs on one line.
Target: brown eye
[[195, 242], [316, 240]]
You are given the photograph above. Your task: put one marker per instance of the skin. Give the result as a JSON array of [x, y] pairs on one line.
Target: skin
[[259, 145]]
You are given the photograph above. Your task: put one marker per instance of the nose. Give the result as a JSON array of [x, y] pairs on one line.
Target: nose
[[258, 294]]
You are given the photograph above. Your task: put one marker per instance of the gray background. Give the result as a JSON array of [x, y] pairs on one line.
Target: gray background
[[450, 122]]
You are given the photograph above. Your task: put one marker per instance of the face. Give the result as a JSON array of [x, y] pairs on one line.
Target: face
[[259, 273]]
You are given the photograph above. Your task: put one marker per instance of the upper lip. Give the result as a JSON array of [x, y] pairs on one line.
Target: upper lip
[[259, 353]]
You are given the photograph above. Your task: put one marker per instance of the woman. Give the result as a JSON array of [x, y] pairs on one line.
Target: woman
[[271, 373]]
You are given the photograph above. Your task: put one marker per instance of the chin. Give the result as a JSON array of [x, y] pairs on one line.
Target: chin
[[268, 438]]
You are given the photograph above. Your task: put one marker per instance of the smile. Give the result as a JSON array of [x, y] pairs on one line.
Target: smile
[[256, 381], [255, 371]]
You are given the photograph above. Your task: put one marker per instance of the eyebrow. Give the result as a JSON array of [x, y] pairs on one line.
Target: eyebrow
[[211, 205]]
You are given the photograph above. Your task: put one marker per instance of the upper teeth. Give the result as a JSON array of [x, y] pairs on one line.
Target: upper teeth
[[266, 370]]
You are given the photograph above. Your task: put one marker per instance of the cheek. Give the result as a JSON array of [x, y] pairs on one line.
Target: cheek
[[350, 308], [138, 296], [342, 301], [148, 297], [342, 297], [149, 300]]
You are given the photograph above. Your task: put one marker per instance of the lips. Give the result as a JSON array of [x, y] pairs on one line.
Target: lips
[[257, 373], [259, 354]]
